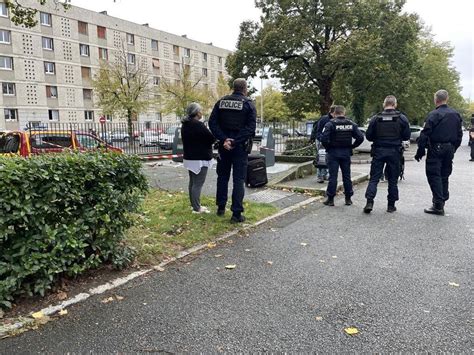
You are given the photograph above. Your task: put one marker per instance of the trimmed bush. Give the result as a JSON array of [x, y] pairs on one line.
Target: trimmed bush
[[299, 146], [62, 214]]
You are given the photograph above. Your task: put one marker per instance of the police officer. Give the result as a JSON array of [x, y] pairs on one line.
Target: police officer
[[233, 123], [322, 173], [442, 135], [386, 130], [337, 139]]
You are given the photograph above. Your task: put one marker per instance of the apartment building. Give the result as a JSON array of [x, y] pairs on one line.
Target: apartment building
[[46, 71]]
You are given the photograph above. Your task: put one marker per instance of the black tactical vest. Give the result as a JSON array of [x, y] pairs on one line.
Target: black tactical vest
[[388, 126], [341, 137], [231, 112]]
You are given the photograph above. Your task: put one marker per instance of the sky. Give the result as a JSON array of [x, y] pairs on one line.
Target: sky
[[218, 21]]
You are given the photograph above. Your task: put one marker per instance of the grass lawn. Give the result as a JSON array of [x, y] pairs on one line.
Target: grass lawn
[[168, 226]]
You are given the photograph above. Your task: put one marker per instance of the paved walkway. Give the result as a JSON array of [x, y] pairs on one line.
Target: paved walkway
[[404, 280]]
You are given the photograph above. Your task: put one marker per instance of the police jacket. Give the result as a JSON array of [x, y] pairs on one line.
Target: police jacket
[[233, 116], [338, 133], [443, 125], [388, 129]]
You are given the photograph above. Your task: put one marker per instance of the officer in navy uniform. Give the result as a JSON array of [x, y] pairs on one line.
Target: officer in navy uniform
[[322, 173], [442, 135], [387, 130], [337, 139], [233, 123]]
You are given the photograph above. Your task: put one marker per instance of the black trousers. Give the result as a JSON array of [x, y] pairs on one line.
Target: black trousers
[[439, 166], [389, 157]]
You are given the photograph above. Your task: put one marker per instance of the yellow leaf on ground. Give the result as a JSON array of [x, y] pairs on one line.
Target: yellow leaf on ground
[[211, 245], [454, 284], [63, 312], [107, 300], [119, 298], [218, 256], [319, 318], [270, 262], [62, 295], [334, 256], [230, 267], [351, 330], [38, 315], [304, 244]]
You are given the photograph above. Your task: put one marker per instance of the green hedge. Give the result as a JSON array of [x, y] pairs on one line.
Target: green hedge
[[299, 146], [63, 214]]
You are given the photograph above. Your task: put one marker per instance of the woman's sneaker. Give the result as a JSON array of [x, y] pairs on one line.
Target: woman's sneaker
[[202, 209]]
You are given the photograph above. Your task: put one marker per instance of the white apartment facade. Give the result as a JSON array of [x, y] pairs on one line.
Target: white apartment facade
[[46, 71]]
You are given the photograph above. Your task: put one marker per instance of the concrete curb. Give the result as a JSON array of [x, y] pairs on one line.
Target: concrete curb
[[22, 322]]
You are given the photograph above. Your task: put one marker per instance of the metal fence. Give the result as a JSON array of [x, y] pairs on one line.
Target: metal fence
[[142, 138]]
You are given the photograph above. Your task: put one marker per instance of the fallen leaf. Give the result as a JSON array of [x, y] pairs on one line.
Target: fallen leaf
[[62, 295], [304, 244], [158, 268], [454, 284], [119, 298], [270, 262], [230, 267], [63, 312], [248, 249], [230, 241], [107, 300], [351, 330], [319, 318], [218, 255], [334, 256], [218, 268], [322, 261], [38, 315], [211, 245], [273, 229], [144, 303]]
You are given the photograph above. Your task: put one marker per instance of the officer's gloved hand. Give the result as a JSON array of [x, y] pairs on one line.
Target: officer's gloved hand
[[419, 154]]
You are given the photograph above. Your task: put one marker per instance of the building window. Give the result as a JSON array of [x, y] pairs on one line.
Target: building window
[[82, 28], [204, 72], [156, 80], [204, 57], [87, 94], [48, 43], [86, 73], [175, 50], [108, 118], [3, 9], [101, 32], [89, 115], [49, 68], [8, 89], [6, 63], [103, 53], [130, 58], [53, 115], [45, 19], [130, 39], [155, 63], [5, 37], [187, 52], [52, 92], [154, 44], [11, 114], [84, 50], [177, 68]]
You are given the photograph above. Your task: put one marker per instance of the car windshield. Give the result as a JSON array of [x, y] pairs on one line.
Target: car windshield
[[171, 130]]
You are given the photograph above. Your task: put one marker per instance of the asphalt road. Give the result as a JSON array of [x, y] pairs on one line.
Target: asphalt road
[[388, 275]]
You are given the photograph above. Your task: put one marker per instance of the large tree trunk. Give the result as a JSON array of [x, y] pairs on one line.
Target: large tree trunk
[[358, 108], [325, 95], [130, 127]]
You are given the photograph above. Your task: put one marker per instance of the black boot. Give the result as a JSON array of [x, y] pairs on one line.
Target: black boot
[[391, 207], [220, 211], [329, 201], [369, 206], [348, 201], [437, 209], [237, 218]]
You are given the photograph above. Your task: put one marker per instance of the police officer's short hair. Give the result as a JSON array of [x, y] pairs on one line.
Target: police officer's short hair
[[441, 96], [240, 85], [332, 108], [339, 110], [390, 100]]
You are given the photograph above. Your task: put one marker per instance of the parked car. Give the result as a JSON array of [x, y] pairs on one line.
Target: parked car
[[166, 139], [115, 136], [366, 145], [149, 137], [26, 143], [415, 133]]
